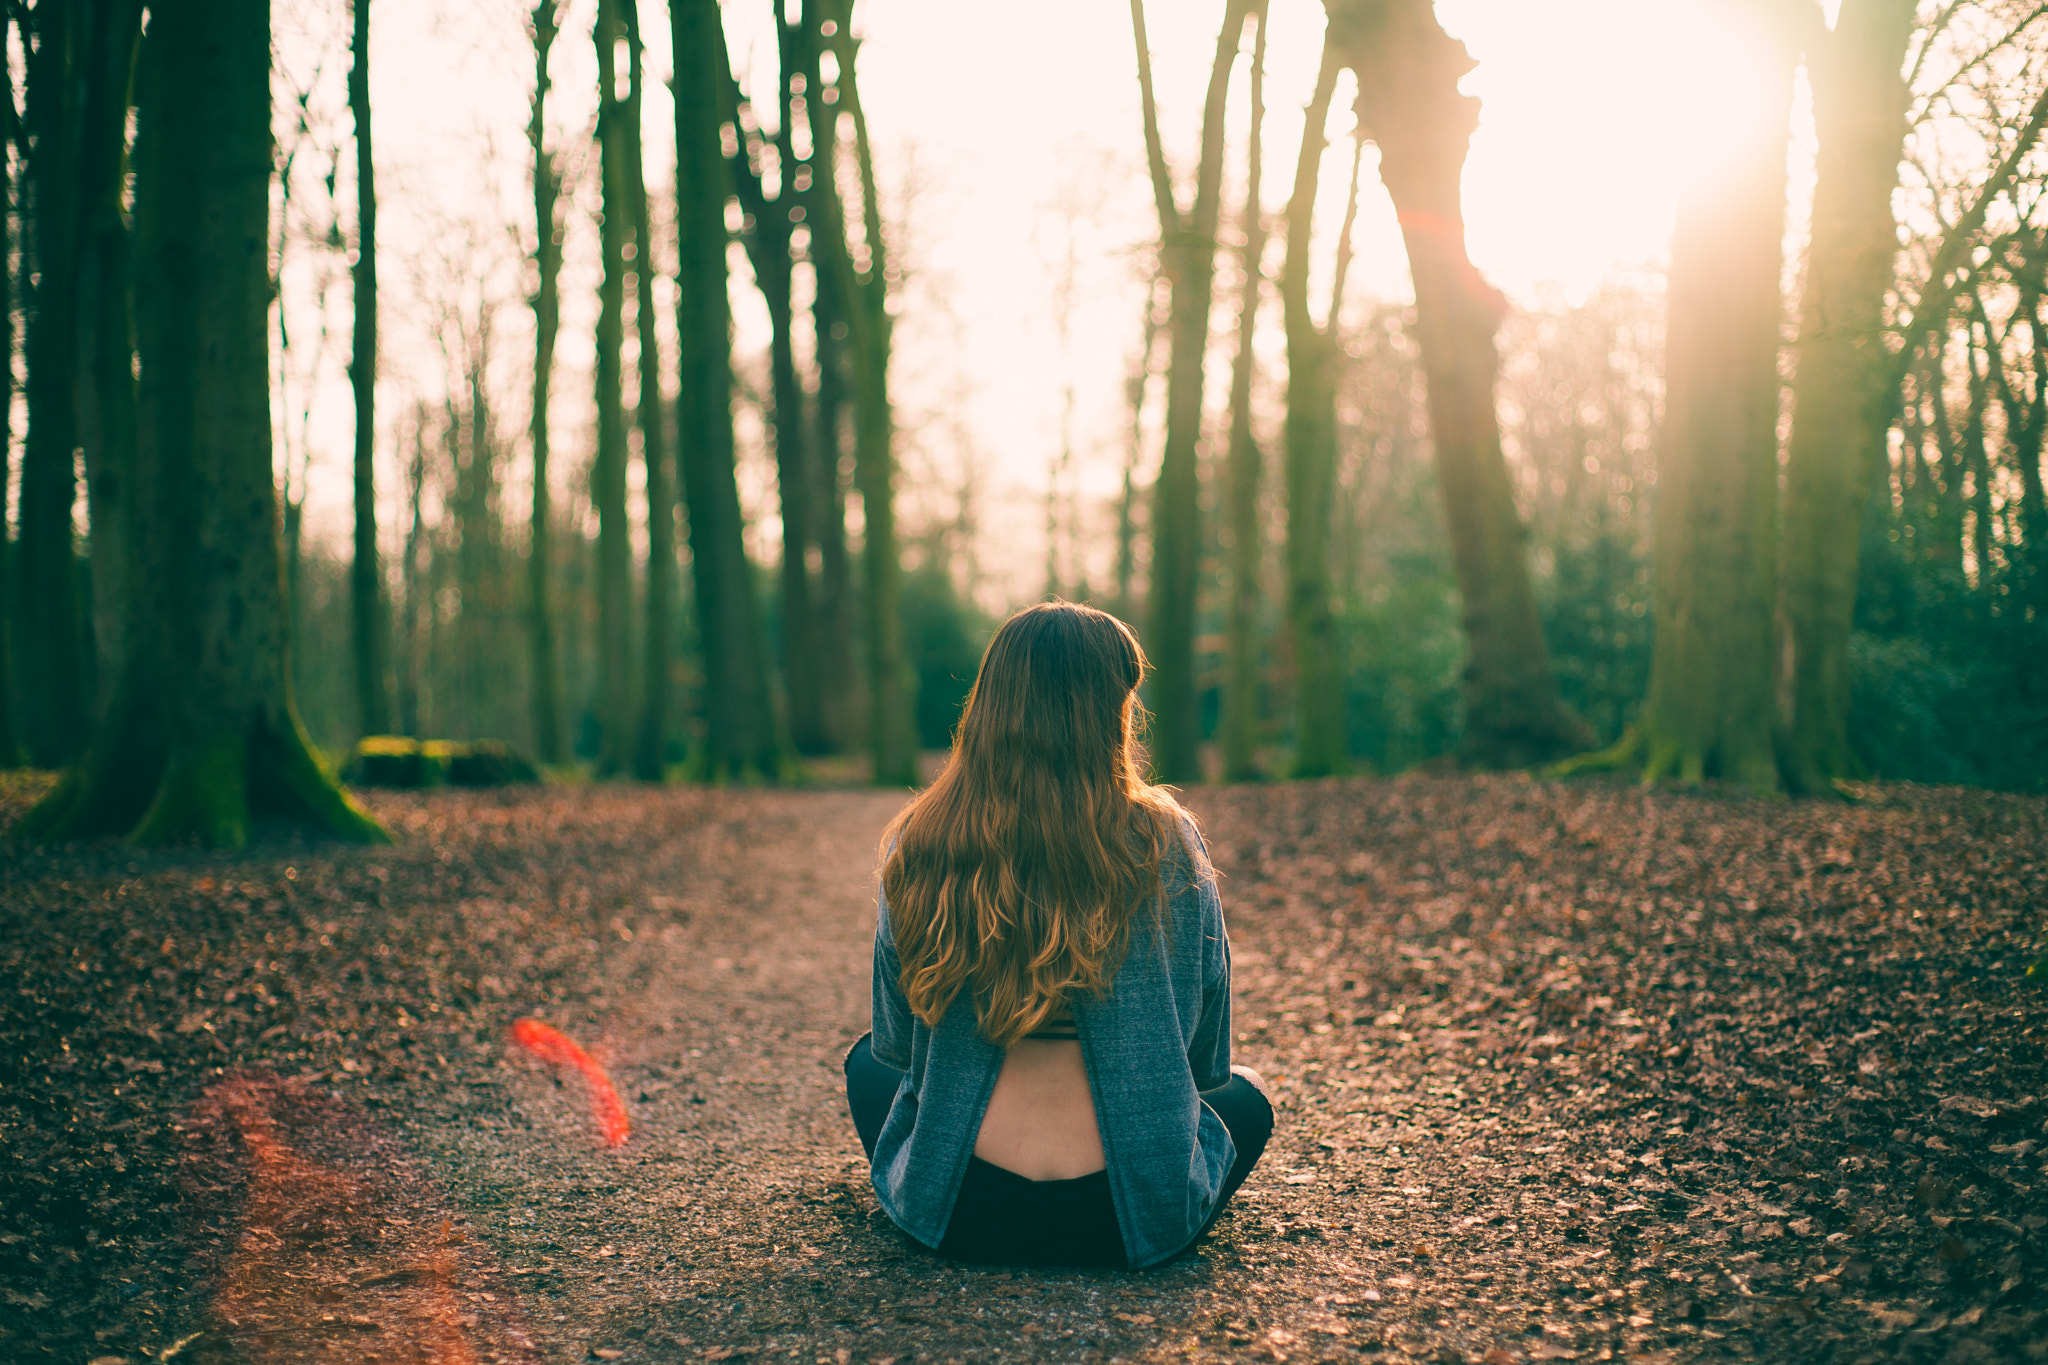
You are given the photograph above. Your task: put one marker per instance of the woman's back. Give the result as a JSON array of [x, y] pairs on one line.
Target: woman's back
[[1040, 1121]]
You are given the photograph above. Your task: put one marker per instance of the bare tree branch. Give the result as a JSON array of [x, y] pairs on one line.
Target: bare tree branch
[[1155, 154], [1344, 239], [1938, 294]]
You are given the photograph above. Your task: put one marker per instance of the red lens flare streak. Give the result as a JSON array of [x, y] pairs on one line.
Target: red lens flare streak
[[557, 1048]]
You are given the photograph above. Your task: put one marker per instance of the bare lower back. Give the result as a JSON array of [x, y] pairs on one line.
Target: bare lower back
[[1040, 1122]]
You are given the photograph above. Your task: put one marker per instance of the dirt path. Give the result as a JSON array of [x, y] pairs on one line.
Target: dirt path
[[1566, 1072]]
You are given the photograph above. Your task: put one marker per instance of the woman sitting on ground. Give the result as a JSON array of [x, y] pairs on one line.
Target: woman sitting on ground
[[1048, 1081]]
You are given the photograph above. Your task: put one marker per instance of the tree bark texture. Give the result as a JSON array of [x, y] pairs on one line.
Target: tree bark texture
[[366, 593], [1408, 70], [549, 745], [201, 736], [742, 733], [1247, 546], [55, 695], [1711, 704], [1840, 401], [1187, 253], [1311, 464], [107, 35], [658, 647], [608, 471]]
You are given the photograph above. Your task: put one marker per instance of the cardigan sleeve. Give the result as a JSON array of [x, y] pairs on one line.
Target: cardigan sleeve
[[891, 1010], [1209, 1048]]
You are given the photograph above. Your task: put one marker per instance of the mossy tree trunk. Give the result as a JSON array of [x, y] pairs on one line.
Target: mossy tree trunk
[[1247, 547], [1711, 707], [608, 470], [658, 644], [1187, 255], [742, 737], [201, 736], [1840, 409], [366, 583], [1311, 455], [55, 693], [547, 317], [1408, 71]]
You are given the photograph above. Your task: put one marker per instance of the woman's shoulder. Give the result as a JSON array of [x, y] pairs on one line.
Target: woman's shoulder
[[1183, 853]]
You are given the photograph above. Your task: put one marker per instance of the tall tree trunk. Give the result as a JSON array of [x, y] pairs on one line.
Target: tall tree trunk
[[796, 475], [1408, 71], [862, 300], [10, 751], [1187, 254], [742, 735], [842, 704], [768, 245], [54, 685], [202, 735], [837, 605], [608, 472], [2027, 449], [1976, 461], [1711, 702], [1311, 454], [108, 31], [476, 557], [1840, 399], [1247, 546], [409, 715], [1946, 516], [547, 316], [366, 595], [1127, 502], [650, 749]]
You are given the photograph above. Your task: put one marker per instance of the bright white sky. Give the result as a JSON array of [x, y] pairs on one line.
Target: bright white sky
[[997, 136]]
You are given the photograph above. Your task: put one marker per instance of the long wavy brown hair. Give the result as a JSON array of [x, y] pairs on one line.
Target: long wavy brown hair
[[1017, 874]]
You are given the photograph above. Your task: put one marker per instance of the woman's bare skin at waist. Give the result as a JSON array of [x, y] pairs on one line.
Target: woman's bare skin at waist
[[1040, 1122]]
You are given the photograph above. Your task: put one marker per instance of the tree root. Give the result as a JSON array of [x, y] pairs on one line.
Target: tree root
[[1624, 755], [140, 784], [1663, 759]]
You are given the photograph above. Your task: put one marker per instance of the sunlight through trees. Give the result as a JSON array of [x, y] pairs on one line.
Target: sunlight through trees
[[1771, 515]]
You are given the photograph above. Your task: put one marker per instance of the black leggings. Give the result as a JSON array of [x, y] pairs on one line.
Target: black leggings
[[1002, 1218]]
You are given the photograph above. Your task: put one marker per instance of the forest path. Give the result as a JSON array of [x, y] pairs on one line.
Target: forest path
[[1565, 1071]]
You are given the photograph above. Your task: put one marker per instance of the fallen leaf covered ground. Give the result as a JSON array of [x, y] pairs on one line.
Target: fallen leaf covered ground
[[1565, 1071]]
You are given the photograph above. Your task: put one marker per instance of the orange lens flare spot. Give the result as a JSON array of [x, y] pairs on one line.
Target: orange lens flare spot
[[330, 1244], [557, 1048]]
